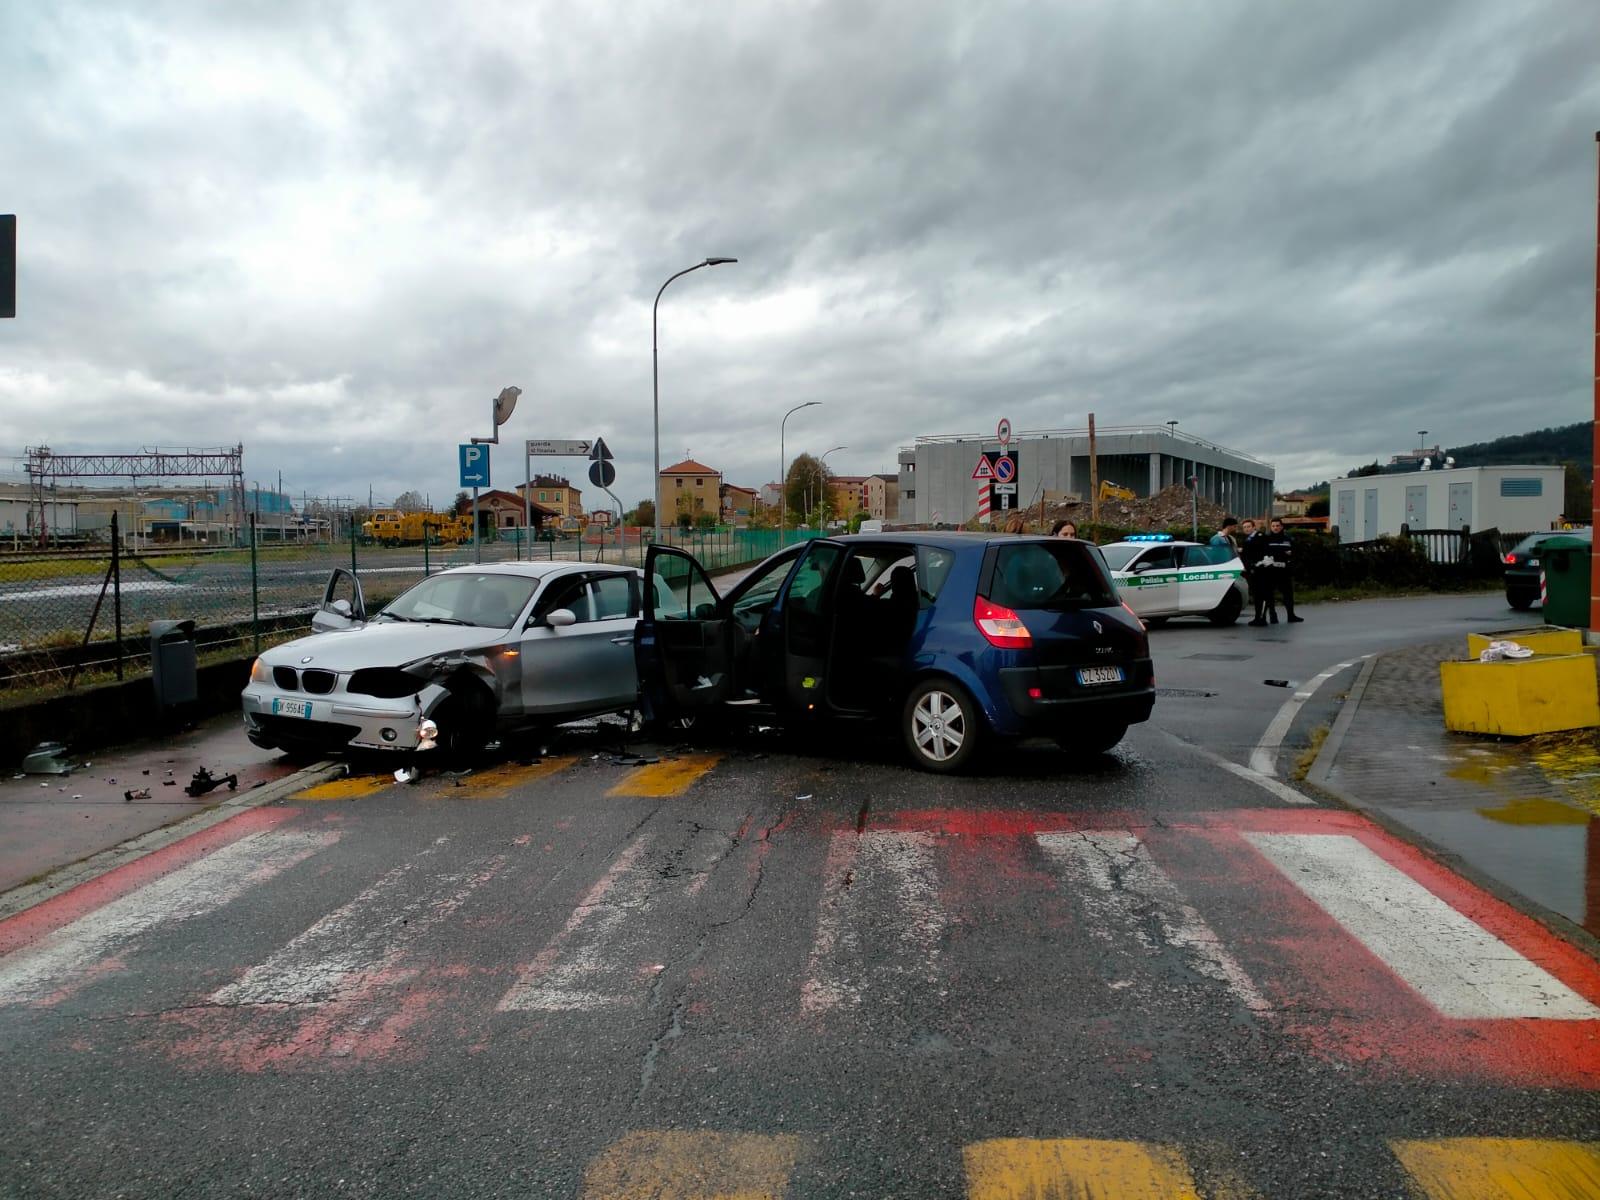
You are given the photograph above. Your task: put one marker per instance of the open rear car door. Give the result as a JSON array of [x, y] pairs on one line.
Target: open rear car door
[[343, 606], [683, 645]]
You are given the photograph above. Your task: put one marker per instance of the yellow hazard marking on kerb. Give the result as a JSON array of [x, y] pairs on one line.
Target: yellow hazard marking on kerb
[[693, 1166], [670, 778], [499, 780], [1076, 1168], [352, 787], [1502, 1168]]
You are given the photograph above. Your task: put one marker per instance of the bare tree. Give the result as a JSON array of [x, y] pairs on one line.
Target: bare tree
[[410, 502]]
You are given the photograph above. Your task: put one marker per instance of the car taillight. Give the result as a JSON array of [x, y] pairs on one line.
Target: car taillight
[[1511, 559], [1134, 615], [1001, 626]]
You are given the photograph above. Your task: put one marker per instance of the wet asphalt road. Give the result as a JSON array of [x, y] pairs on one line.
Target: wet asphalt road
[[819, 969]]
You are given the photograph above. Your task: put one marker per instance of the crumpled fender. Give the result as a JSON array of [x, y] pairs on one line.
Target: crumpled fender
[[498, 668]]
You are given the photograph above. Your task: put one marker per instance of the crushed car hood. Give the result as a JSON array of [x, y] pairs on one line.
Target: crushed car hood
[[381, 644]]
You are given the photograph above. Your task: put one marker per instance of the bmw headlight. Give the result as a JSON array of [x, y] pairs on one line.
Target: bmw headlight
[[259, 672]]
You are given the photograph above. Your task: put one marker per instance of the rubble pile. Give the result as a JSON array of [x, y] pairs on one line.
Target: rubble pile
[[1167, 509]]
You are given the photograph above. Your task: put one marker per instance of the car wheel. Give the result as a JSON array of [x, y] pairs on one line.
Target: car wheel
[[941, 725], [1227, 610], [466, 723], [1153, 622], [1520, 603], [1093, 739]]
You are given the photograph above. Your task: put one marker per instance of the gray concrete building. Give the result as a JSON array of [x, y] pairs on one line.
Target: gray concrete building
[[936, 483]]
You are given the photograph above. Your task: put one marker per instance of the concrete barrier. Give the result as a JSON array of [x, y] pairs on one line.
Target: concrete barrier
[[1521, 697], [1541, 639]]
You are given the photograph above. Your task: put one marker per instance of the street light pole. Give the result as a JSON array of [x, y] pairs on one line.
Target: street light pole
[[822, 484], [783, 465], [655, 384]]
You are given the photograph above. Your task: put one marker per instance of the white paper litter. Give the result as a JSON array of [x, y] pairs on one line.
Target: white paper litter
[[1499, 651]]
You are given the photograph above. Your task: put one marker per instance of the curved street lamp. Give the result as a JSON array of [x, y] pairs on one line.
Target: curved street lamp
[[655, 381], [783, 465], [822, 484]]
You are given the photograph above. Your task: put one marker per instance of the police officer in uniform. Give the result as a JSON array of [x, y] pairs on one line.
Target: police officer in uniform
[[1276, 567]]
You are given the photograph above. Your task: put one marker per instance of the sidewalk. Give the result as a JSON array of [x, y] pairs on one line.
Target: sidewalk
[[48, 821], [1523, 815]]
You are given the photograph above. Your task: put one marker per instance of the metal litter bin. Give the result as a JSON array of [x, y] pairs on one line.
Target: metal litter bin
[[1564, 562], [172, 664]]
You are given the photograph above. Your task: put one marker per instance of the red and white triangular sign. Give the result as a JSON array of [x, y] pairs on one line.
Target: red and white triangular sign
[[984, 469]]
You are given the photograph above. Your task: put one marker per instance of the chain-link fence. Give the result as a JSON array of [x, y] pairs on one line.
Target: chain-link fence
[[70, 618]]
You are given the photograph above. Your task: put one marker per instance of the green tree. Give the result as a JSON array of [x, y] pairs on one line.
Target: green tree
[[1318, 507], [1578, 498], [805, 487], [643, 514], [705, 520]]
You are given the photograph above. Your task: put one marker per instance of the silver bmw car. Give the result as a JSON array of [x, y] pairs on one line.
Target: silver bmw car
[[477, 650]]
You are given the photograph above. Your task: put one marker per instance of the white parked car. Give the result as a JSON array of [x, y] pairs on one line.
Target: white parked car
[[477, 650], [1160, 577]]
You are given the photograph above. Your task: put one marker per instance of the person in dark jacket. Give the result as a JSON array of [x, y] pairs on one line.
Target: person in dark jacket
[[1277, 566], [1251, 554]]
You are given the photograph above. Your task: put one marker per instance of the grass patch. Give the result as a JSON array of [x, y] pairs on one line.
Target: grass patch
[[1374, 591], [1308, 756]]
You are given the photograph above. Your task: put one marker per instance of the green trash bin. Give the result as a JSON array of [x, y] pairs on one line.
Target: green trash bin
[[1565, 564]]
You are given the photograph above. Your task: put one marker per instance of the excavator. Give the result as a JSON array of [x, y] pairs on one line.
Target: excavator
[[1115, 491]]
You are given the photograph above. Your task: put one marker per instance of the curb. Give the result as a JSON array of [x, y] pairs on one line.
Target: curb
[[1317, 780], [65, 878]]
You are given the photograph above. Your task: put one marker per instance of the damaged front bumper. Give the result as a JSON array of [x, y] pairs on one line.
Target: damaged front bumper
[[279, 719]]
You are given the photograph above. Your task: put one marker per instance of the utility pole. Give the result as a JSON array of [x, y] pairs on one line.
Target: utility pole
[[1094, 479], [1594, 492]]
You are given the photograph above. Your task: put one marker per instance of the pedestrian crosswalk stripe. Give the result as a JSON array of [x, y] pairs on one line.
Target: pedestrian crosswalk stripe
[[1075, 1169], [672, 777], [1502, 1168], [1459, 967], [501, 779], [200, 887], [1122, 885], [363, 937], [693, 1165], [894, 869]]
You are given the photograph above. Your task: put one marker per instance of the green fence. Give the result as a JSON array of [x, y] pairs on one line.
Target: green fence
[[60, 613]]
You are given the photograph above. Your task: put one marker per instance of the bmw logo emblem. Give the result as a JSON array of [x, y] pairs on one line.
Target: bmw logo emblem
[[307, 658], [1098, 628]]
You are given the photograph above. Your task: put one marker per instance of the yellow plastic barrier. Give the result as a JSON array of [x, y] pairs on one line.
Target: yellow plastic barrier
[[1541, 639], [1521, 697]]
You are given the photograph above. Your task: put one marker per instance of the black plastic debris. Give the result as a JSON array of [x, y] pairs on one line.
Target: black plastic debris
[[133, 794], [1276, 682], [204, 781]]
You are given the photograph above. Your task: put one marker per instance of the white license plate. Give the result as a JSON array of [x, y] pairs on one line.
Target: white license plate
[[1533, 562], [1100, 675], [302, 708]]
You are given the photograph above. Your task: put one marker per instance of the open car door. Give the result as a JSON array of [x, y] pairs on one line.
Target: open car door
[[343, 606], [683, 644]]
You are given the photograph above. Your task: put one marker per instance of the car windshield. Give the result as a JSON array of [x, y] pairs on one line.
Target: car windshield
[[467, 598], [1056, 574], [1118, 556]]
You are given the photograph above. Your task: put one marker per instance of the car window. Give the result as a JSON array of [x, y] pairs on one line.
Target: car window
[[805, 593], [933, 568], [760, 591], [615, 597], [1057, 574], [570, 592], [692, 598], [1119, 556], [668, 605], [1204, 556], [466, 598], [1157, 558]]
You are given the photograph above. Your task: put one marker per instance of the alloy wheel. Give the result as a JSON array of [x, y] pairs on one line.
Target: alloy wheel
[[939, 725]]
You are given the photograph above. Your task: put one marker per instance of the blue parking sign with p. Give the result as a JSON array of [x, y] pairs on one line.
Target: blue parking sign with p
[[474, 465]]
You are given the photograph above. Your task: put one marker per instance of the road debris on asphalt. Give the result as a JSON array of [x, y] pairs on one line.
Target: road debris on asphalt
[[132, 794], [204, 781], [407, 775], [1500, 651], [47, 758]]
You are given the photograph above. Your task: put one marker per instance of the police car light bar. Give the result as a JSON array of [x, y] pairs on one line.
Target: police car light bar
[[1148, 537]]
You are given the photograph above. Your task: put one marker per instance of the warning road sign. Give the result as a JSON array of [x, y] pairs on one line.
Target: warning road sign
[[984, 469]]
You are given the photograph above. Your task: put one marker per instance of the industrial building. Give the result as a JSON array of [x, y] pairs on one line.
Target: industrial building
[[936, 484], [1510, 499]]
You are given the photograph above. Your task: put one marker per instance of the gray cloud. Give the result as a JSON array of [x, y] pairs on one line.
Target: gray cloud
[[333, 232]]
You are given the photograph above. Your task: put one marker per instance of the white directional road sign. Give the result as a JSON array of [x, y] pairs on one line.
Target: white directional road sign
[[1005, 489], [561, 447]]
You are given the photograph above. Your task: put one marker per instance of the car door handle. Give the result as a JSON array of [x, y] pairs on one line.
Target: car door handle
[[623, 641]]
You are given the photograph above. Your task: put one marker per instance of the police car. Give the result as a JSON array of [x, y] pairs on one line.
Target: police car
[[1160, 577]]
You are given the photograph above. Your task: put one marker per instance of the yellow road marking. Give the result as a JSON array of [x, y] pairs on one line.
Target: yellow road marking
[[693, 1166], [351, 787], [670, 778], [1502, 1168], [497, 780], [1075, 1169]]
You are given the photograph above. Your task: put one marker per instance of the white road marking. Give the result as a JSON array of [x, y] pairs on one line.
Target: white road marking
[[565, 973], [1264, 759], [364, 937], [191, 891], [858, 867], [1266, 782], [1454, 963], [1122, 885]]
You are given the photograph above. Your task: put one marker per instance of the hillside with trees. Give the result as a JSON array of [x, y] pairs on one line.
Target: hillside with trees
[[1560, 444]]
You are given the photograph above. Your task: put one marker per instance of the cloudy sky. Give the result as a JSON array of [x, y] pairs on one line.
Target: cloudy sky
[[333, 231]]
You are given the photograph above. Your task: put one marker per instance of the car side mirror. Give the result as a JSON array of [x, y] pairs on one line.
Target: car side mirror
[[342, 607], [705, 612], [560, 618], [1141, 568]]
